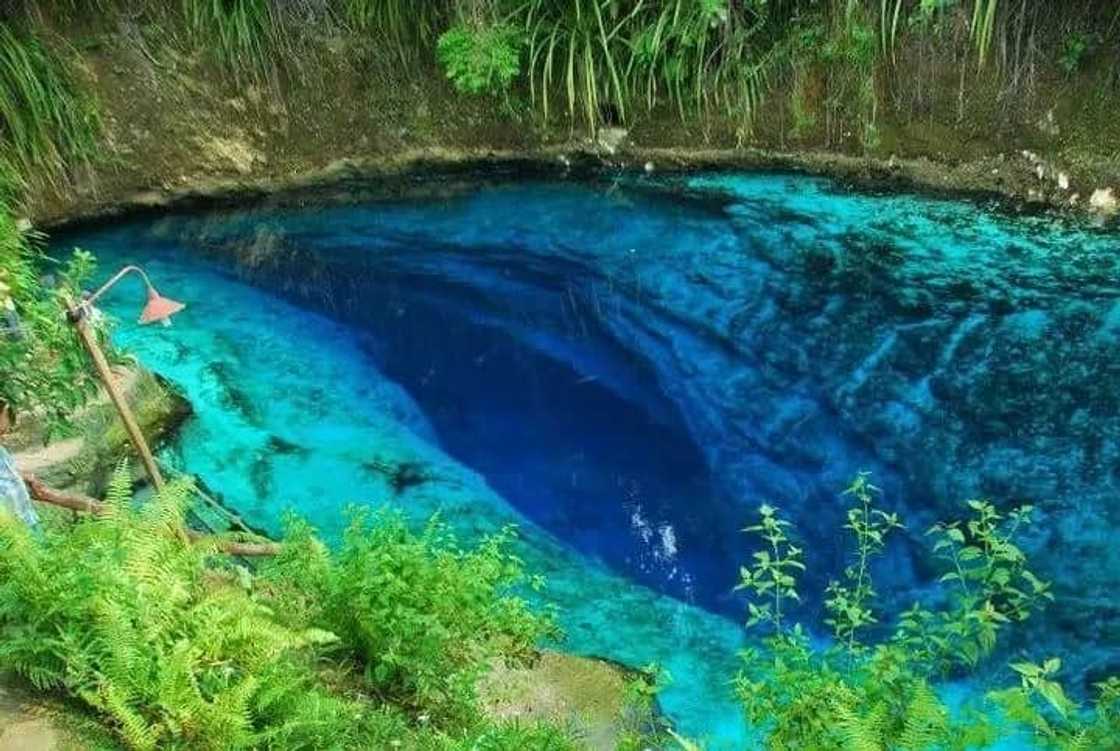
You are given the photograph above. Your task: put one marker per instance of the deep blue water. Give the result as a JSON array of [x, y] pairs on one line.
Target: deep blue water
[[627, 369]]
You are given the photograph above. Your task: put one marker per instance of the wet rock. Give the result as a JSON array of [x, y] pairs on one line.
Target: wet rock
[[401, 476]]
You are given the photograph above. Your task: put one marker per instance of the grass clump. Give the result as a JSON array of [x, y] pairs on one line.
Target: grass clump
[[46, 123], [407, 26], [174, 645], [246, 36]]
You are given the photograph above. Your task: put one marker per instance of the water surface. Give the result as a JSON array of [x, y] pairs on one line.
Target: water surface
[[628, 368]]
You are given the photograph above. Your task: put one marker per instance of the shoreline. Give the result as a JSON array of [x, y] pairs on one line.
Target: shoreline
[[1015, 189]]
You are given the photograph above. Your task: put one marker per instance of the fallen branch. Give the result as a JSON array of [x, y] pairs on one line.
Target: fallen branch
[[86, 505]]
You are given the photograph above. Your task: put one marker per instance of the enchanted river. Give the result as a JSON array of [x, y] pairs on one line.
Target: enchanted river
[[627, 367]]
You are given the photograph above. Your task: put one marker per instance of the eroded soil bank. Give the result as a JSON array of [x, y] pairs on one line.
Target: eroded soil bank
[[177, 127]]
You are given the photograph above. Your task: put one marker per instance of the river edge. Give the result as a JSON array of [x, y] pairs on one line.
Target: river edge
[[1009, 184]]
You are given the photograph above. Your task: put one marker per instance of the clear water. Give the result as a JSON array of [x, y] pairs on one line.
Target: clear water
[[627, 369]]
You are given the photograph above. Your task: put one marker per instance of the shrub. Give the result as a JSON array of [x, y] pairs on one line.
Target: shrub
[[124, 616], [480, 59], [176, 646], [857, 694], [423, 618], [43, 365]]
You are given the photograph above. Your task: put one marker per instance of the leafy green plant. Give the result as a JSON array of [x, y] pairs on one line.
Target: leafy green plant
[[43, 364], [991, 587], [481, 59], [175, 645], [1075, 47], [771, 579], [641, 727], [849, 602], [423, 618], [123, 615], [1040, 704], [870, 696]]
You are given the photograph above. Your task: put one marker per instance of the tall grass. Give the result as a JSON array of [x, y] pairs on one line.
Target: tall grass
[[701, 56], [983, 27], [604, 58], [576, 45], [46, 122], [245, 35], [408, 25]]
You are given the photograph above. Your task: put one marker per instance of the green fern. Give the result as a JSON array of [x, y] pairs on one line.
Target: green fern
[[174, 646]]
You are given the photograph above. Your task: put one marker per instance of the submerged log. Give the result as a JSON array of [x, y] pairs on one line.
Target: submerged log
[[86, 505]]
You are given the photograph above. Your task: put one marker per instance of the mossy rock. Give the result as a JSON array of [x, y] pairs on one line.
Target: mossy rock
[[583, 693], [85, 458]]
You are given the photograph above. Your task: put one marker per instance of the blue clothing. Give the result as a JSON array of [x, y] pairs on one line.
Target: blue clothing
[[13, 493]]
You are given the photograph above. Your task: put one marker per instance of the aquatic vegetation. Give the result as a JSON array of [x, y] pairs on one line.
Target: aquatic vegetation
[[873, 695]]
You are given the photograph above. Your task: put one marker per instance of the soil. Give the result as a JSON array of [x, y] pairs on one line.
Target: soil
[[177, 128]]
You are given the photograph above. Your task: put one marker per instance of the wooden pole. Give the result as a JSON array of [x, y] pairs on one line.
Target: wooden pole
[[89, 341]]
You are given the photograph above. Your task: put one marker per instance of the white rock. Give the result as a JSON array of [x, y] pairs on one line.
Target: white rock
[[1104, 202], [1063, 181], [612, 139], [649, 167]]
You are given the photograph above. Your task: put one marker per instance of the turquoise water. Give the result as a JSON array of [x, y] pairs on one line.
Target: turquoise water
[[627, 368]]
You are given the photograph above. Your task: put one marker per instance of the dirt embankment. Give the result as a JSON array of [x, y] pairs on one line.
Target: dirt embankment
[[176, 127]]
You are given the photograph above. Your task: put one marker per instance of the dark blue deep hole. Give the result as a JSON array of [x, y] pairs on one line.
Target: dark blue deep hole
[[606, 464]]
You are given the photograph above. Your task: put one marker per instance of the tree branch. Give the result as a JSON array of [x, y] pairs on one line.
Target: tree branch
[[86, 505]]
